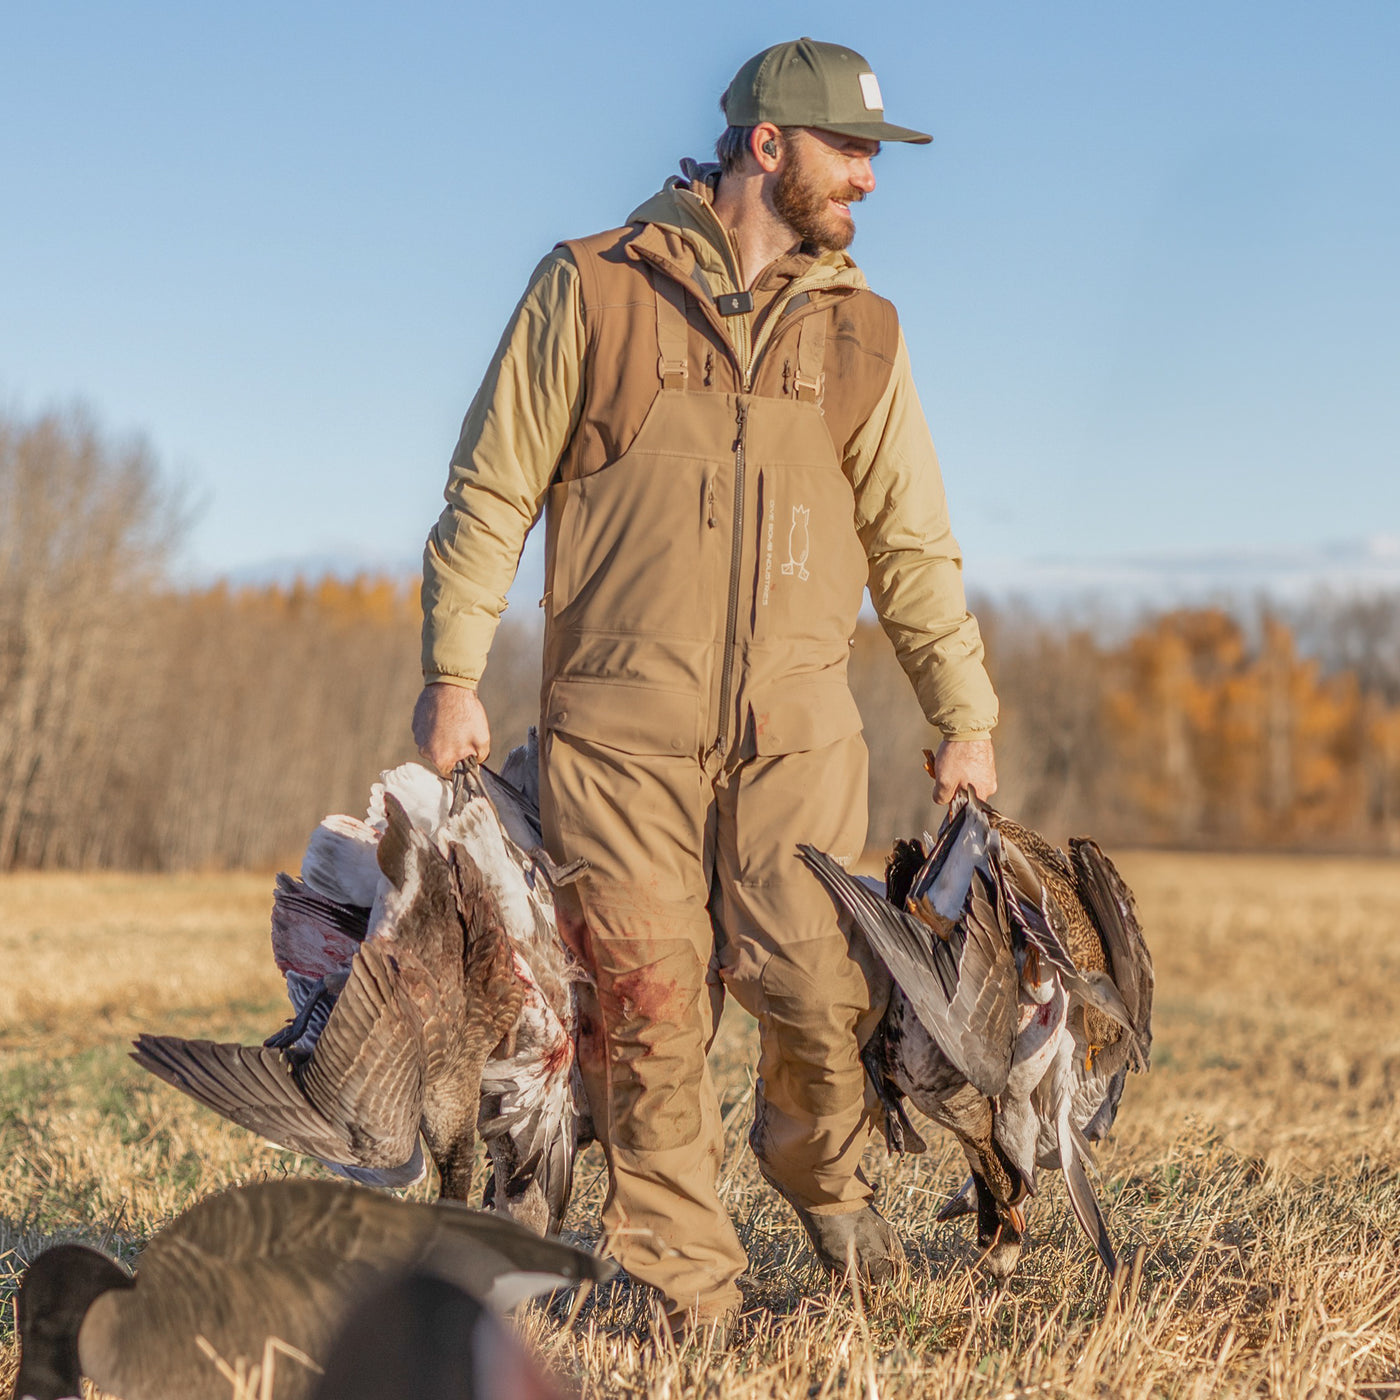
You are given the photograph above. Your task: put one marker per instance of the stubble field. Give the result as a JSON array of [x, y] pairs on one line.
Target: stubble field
[[1255, 1173]]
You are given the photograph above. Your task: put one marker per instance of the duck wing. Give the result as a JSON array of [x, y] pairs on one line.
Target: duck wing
[[291, 1260], [1109, 903], [1041, 920], [962, 984], [1031, 903], [358, 1098], [1057, 1097]]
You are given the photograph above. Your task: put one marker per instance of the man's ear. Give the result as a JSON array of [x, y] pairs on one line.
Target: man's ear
[[766, 146]]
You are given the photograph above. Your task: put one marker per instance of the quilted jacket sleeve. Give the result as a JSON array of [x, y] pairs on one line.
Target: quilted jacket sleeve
[[514, 433], [915, 563]]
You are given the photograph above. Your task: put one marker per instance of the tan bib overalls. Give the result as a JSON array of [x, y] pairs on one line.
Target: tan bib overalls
[[703, 580]]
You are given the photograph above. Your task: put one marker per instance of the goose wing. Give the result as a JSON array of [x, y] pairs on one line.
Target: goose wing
[[1110, 906], [518, 811], [962, 986], [357, 1099], [339, 862], [311, 933], [1084, 1201]]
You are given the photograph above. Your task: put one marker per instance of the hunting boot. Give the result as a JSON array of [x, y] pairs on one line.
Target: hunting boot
[[878, 1252]]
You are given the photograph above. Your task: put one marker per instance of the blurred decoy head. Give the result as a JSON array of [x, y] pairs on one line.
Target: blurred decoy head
[[423, 1338]]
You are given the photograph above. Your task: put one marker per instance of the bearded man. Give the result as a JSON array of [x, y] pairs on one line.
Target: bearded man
[[718, 418]]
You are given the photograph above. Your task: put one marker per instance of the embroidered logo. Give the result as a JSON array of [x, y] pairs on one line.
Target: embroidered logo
[[768, 532], [799, 546]]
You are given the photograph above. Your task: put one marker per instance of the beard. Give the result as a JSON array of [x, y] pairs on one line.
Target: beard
[[803, 203]]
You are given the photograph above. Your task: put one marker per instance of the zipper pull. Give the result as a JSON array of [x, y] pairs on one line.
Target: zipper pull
[[740, 416], [711, 521], [709, 368]]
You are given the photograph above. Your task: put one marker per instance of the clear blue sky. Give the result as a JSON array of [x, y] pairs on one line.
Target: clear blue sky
[[1148, 269]]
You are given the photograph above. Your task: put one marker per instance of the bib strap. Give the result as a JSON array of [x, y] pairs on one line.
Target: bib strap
[[672, 331], [810, 381]]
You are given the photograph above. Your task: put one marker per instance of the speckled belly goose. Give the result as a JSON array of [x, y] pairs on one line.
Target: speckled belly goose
[[1022, 997]]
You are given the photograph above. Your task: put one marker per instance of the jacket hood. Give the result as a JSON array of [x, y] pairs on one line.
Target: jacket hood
[[684, 208]]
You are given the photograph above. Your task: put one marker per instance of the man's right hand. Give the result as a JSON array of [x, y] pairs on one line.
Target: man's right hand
[[449, 724]]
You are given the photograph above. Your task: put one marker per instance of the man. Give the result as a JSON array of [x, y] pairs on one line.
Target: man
[[719, 420]]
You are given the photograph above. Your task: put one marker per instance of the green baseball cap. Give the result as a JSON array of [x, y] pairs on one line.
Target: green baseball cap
[[806, 83]]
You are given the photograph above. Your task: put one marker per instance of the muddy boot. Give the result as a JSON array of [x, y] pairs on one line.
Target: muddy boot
[[715, 1334], [878, 1252]]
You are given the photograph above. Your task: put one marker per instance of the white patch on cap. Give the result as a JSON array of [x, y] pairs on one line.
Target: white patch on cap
[[870, 91]]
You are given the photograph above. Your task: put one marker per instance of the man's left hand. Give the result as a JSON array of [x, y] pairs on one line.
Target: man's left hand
[[964, 763]]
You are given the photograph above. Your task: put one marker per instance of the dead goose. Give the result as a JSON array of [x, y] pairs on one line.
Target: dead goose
[[427, 996], [288, 1260], [477, 839], [1023, 994]]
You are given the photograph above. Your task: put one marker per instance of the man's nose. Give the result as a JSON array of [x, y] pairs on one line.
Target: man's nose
[[863, 176]]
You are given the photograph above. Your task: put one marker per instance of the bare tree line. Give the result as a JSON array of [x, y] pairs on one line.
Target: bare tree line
[[148, 727]]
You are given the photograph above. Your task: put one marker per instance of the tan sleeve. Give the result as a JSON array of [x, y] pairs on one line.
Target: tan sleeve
[[514, 433], [915, 563]]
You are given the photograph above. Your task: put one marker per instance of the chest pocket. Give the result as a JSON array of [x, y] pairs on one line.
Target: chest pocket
[[640, 546], [810, 565]]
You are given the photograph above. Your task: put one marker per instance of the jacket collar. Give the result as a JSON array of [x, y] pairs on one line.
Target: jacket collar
[[683, 235]]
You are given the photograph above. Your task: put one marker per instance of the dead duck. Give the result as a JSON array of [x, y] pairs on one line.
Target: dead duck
[[1022, 997], [285, 1260], [432, 992]]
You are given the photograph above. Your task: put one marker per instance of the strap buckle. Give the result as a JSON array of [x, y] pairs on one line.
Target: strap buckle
[[674, 373]]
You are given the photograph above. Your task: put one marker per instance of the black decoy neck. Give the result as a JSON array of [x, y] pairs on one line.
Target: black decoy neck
[[58, 1289]]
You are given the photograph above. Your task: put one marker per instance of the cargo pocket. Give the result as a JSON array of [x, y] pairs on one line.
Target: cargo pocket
[[796, 715], [636, 719]]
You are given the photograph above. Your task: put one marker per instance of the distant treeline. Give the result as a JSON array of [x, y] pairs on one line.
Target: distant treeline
[[148, 727]]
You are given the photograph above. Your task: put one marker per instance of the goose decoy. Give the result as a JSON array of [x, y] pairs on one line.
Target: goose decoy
[[1022, 996], [423, 1338], [431, 992], [284, 1260]]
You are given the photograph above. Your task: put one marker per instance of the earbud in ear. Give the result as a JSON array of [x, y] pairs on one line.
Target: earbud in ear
[[770, 147]]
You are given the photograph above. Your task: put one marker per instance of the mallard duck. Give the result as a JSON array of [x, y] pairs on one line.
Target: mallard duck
[[1022, 996], [431, 992], [289, 1260]]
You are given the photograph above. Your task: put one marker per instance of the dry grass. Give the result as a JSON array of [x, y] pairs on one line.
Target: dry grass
[[1257, 1169]]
